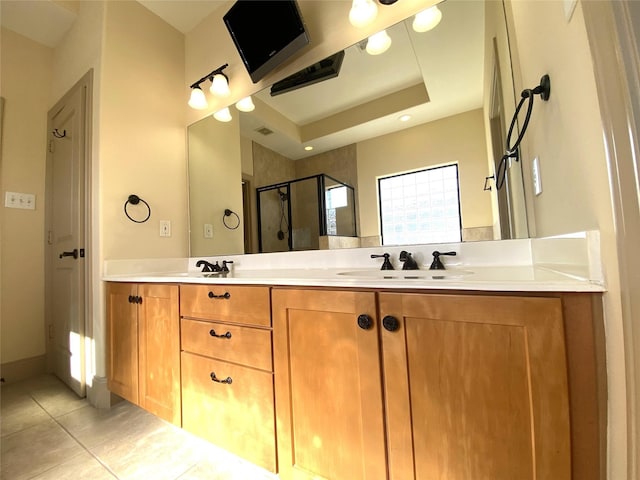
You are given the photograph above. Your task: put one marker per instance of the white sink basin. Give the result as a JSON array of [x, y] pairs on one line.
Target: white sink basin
[[452, 274]]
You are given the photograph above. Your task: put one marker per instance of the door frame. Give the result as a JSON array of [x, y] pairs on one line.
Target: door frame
[[612, 31], [86, 84]]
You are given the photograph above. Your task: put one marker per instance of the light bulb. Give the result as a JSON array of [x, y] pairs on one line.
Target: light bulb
[[427, 19], [223, 115], [378, 43], [219, 86], [362, 13], [198, 100], [245, 104]]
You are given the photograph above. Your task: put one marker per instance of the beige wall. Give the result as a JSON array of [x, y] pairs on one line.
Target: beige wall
[[142, 134], [458, 139], [566, 134], [26, 71]]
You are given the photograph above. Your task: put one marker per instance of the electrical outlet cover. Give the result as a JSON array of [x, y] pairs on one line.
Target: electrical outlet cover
[[537, 180]]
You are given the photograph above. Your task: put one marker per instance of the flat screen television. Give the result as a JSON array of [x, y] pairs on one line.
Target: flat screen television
[[318, 72], [266, 33]]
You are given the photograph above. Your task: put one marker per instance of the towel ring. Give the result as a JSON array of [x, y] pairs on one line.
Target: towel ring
[[135, 200], [228, 213]]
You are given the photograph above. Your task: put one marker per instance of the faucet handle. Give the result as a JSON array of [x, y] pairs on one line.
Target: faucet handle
[[224, 265], [437, 263], [386, 265]]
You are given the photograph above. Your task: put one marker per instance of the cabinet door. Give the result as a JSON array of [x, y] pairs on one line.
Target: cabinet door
[[476, 388], [159, 351], [122, 341], [328, 385]]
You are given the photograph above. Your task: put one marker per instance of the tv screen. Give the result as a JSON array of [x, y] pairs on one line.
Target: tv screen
[[318, 72], [266, 33]]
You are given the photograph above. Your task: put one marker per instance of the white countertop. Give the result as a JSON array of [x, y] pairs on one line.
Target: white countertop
[[568, 263], [520, 278]]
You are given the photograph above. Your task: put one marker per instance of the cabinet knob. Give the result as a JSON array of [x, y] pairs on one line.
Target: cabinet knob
[[227, 380], [135, 299], [131, 299], [213, 333], [364, 321], [390, 323], [225, 295]]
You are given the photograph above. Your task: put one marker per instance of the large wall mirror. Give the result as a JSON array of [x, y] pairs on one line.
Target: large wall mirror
[[282, 168]]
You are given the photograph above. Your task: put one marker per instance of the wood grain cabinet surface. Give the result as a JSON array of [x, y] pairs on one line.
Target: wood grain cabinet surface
[[227, 369], [450, 386], [329, 405], [475, 387], [143, 354]]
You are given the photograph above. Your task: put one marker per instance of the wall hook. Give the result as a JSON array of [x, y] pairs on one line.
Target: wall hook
[[135, 200], [56, 133]]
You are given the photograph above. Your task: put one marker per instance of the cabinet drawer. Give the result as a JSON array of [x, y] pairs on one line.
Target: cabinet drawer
[[239, 304], [237, 416], [246, 345]]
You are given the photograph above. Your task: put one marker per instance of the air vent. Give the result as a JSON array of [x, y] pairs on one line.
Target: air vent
[[263, 131]]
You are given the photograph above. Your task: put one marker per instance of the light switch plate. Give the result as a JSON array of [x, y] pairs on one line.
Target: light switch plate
[[25, 201], [537, 180], [165, 228]]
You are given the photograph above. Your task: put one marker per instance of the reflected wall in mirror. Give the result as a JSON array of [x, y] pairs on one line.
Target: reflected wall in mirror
[[454, 82]]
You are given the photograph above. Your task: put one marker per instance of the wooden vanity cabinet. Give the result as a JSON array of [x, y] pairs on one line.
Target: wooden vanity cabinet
[[329, 405], [227, 369], [475, 387], [143, 354]]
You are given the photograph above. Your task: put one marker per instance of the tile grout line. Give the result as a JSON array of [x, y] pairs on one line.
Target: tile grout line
[[74, 438]]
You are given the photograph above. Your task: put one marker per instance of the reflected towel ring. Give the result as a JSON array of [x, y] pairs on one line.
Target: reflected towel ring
[[135, 200], [228, 213], [513, 151], [56, 133]]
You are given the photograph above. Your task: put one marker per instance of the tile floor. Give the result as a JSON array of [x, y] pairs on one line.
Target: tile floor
[[47, 432]]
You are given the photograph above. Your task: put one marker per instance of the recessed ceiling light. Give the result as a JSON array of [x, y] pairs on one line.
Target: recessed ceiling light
[[308, 148], [405, 118]]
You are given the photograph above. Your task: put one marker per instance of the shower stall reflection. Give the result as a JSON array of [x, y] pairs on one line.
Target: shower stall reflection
[[297, 214]]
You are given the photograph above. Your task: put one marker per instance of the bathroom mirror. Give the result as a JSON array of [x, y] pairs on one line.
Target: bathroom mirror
[[454, 81]]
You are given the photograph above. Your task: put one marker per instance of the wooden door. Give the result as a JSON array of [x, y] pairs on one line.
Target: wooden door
[[476, 388], [122, 340], [159, 351], [327, 385], [65, 211]]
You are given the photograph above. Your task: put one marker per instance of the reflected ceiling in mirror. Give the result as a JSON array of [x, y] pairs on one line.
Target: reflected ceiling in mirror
[[429, 75]]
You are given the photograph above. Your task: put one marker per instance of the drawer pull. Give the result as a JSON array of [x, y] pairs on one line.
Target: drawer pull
[[216, 379], [213, 333], [225, 295]]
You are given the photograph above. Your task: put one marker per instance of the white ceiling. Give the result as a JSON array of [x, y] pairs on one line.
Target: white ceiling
[[448, 59]]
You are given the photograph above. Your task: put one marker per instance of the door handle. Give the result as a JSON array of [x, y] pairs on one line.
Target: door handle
[[73, 254]]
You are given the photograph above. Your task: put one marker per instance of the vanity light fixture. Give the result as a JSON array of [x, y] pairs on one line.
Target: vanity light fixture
[[198, 101], [219, 88], [362, 13], [245, 104], [308, 148], [378, 43], [427, 19], [223, 115], [405, 118], [220, 85]]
